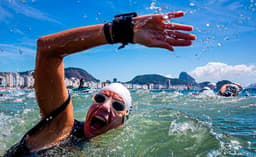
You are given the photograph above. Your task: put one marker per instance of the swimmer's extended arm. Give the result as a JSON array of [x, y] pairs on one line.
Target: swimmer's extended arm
[[51, 92]]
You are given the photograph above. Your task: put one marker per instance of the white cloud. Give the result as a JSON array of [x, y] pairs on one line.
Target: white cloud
[[12, 51], [4, 14], [24, 10], [216, 71]]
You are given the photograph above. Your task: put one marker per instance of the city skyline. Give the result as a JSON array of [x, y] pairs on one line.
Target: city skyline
[[26, 81], [224, 48]]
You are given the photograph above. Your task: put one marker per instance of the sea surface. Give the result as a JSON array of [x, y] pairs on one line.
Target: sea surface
[[162, 124]]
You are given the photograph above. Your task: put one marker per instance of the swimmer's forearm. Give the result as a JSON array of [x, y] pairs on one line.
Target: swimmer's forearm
[[71, 41]]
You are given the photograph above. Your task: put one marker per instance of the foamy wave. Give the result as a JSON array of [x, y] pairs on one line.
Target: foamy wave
[[179, 128], [248, 106]]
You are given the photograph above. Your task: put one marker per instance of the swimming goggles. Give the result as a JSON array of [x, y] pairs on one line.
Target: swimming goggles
[[116, 105]]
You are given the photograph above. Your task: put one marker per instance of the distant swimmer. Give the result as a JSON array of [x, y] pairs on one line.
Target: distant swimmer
[[111, 105], [228, 90]]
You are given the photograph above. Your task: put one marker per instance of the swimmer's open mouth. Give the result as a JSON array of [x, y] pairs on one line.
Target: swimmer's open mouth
[[98, 122]]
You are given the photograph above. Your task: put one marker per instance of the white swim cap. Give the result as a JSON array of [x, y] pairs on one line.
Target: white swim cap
[[122, 91]]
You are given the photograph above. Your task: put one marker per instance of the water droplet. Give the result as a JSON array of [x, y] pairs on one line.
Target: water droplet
[[165, 17], [22, 1], [192, 11], [192, 4], [219, 44], [20, 51], [226, 38], [207, 25]]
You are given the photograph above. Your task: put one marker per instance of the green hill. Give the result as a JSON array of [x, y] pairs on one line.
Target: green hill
[[157, 79], [79, 73]]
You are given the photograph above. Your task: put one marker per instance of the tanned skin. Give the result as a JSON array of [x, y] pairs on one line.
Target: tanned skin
[[51, 91]]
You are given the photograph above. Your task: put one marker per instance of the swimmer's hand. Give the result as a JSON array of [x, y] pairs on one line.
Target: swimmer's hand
[[151, 31]]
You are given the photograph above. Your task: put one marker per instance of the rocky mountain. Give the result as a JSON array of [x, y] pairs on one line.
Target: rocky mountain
[[186, 77], [79, 73]]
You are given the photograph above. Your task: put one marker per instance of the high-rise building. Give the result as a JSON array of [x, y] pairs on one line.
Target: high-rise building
[[2, 81]]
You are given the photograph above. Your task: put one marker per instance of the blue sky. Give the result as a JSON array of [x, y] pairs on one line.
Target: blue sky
[[224, 49]]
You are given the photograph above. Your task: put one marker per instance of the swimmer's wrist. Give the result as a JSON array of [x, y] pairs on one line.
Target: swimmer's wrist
[[120, 30]]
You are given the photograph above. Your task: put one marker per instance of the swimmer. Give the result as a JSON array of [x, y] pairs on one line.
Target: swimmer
[[228, 90], [111, 106]]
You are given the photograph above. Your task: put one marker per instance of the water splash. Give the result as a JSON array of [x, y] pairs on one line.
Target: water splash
[[154, 7]]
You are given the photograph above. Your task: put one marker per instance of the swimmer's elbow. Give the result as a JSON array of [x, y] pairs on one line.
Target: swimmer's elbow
[[44, 47], [41, 44]]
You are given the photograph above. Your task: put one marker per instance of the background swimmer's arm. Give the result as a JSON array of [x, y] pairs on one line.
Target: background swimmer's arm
[[223, 89]]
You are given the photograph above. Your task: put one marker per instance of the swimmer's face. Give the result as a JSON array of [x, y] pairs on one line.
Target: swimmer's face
[[104, 114]]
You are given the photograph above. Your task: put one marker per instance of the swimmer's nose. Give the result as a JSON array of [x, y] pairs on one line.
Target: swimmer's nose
[[107, 105]]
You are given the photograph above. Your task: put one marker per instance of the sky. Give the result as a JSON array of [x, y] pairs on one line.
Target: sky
[[224, 49]]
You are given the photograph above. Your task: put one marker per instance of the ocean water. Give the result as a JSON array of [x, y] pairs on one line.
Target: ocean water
[[162, 123]]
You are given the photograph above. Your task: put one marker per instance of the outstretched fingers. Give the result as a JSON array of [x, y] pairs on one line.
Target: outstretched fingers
[[162, 44], [176, 42], [180, 35], [170, 15], [176, 26]]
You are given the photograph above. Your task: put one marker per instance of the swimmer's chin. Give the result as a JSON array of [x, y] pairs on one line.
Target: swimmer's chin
[[89, 132]]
